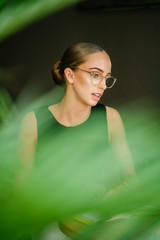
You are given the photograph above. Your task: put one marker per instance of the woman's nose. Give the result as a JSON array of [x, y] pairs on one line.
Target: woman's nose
[[102, 84]]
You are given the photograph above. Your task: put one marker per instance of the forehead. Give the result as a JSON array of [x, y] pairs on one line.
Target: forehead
[[98, 60]]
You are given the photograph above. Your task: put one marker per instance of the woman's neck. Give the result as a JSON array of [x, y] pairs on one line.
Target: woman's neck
[[71, 112]]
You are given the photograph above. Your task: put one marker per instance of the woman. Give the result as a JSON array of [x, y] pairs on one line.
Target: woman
[[85, 70]]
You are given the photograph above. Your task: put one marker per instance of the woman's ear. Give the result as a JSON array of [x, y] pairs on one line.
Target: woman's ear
[[69, 75]]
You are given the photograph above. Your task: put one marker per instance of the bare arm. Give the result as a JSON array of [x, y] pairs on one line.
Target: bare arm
[[28, 140], [119, 143]]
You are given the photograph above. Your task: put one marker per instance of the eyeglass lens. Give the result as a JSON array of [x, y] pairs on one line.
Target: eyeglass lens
[[110, 81]]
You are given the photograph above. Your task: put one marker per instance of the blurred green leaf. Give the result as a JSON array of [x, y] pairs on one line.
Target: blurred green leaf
[[68, 183], [15, 15]]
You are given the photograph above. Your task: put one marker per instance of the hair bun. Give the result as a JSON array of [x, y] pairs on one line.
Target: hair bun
[[56, 73]]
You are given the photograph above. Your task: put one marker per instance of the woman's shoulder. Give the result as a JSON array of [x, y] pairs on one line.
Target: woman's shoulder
[[29, 118], [28, 125], [115, 123], [112, 113]]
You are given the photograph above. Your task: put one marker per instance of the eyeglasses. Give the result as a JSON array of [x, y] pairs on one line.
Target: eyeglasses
[[97, 77]]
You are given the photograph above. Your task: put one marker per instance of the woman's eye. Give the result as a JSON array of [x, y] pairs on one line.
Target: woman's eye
[[95, 75]]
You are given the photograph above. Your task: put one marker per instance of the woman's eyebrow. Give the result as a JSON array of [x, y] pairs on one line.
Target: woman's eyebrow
[[99, 69]]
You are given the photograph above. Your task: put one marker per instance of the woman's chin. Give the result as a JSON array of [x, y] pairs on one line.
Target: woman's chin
[[93, 103]]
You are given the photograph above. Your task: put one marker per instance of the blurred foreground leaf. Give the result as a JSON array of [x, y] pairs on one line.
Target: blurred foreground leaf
[[15, 15], [65, 185]]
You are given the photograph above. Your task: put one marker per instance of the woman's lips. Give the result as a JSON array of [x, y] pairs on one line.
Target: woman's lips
[[97, 96]]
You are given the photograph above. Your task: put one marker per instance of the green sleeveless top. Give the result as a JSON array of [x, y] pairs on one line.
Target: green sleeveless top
[[84, 145]]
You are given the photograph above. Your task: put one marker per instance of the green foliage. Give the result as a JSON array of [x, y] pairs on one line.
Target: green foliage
[[63, 185], [17, 14]]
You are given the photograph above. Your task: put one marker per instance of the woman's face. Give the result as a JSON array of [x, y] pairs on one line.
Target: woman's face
[[83, 87]]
